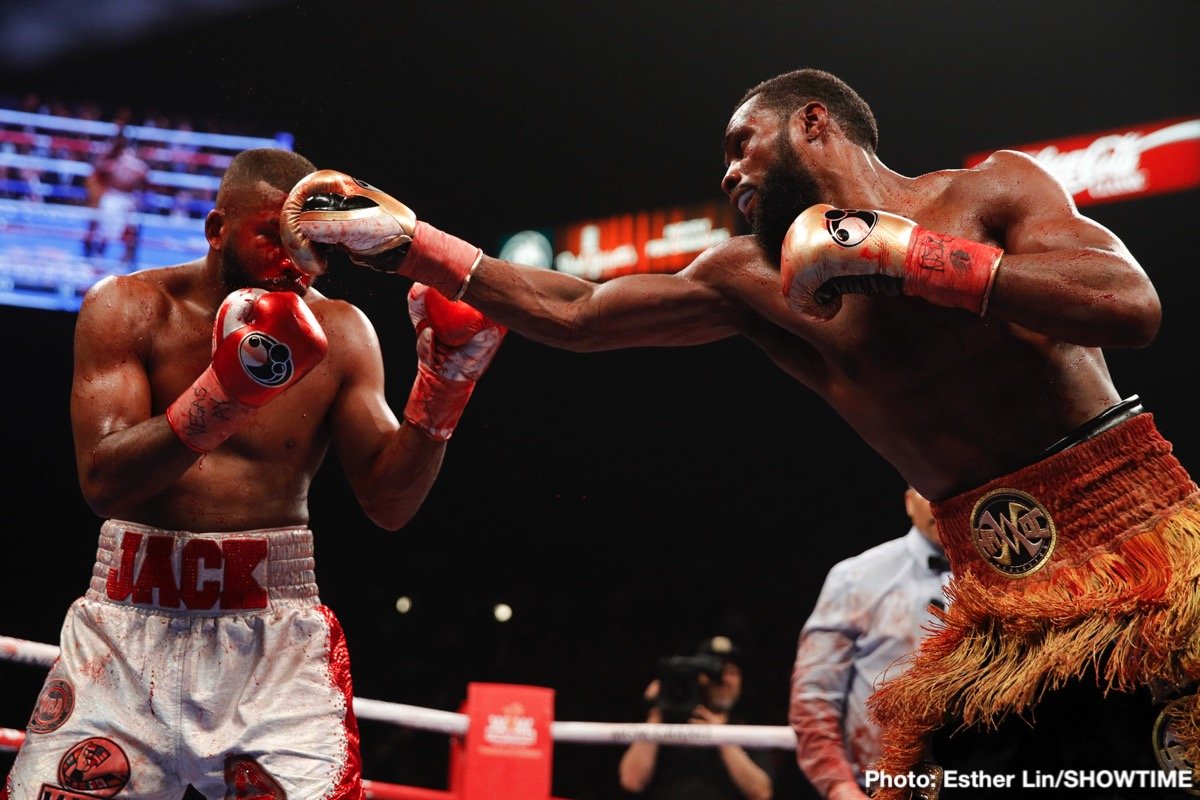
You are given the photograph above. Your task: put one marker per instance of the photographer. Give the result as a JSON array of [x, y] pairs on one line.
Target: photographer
[[700, 689]]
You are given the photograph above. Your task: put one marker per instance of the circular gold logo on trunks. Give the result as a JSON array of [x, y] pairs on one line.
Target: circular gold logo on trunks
[[54, 706], [1013, 532], [1168, 750]]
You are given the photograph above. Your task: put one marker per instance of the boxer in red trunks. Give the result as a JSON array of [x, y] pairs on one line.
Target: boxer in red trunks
[[205, 397], [956, 320]]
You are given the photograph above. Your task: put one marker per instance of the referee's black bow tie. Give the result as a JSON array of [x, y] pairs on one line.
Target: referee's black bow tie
[[939, 564]]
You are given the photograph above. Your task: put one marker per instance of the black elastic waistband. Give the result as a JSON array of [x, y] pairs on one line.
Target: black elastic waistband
[[1113, 415]]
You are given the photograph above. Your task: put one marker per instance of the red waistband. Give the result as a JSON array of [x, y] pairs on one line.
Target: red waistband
[[1065, 509], [179, 572]]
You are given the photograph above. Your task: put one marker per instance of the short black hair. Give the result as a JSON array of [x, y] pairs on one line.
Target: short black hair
[[279, 168], [788, 92]]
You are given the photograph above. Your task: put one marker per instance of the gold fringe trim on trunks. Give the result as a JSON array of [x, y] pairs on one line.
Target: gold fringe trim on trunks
[[1120, 598], [1133, 615]]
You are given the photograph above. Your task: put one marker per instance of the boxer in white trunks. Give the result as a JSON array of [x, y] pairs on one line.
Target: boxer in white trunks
[[201, 653]]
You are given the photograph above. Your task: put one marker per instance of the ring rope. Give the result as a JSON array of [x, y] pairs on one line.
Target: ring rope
[[448, 722], [26, 652], [10, 740]]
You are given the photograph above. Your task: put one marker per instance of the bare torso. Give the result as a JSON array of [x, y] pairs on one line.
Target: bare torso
[[260, 477], [948, 398]]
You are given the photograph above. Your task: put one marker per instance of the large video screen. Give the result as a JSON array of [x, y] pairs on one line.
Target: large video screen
[[82, 198]]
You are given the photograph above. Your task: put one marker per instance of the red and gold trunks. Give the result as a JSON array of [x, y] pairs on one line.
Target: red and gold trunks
[[1089, 558]]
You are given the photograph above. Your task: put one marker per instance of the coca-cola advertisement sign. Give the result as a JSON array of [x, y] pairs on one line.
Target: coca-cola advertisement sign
[[1146, 159]]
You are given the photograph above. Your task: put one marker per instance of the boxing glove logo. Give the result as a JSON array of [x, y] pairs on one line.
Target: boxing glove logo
[[266, 360], [849, 226]]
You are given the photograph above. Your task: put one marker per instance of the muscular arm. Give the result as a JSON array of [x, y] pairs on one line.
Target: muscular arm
[[124, 455], [390, 466], [1062, 274], [693, 306], [643, 310]]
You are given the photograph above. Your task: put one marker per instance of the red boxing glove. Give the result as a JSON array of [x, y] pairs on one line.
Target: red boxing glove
[[263, 344], [829, 251], [455, 345]]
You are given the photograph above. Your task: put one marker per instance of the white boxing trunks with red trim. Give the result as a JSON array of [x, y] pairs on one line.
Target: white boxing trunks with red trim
[[195, 658]]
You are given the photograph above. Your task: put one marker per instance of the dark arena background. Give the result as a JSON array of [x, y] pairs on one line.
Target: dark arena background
[[626, 504]]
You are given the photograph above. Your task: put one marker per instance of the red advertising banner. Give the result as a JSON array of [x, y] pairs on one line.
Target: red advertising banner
[[1123, 163], [664, 240]]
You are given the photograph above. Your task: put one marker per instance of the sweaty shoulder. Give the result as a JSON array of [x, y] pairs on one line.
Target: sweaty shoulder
[[334, 312], [1009, 162], [130, 303], [719, 263], [343, 323], [1013, 176]]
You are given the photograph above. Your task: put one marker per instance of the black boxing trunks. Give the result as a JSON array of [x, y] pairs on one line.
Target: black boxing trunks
[[1075, 575], [1080, 742]]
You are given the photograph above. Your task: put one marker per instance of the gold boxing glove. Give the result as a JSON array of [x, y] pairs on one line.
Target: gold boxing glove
[[375, 229], [330, 207], [830, 251]]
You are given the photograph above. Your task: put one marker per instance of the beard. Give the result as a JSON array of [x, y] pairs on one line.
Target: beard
[[787, 189], [236, 275]]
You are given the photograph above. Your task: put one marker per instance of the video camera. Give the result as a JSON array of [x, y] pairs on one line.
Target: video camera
[[679, 687]]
